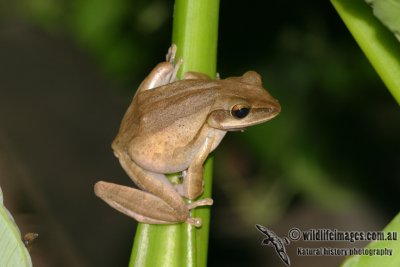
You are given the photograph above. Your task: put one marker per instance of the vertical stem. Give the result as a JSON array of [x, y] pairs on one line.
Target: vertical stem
[[195, 32]]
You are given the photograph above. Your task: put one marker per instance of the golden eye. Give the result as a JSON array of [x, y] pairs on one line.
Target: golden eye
[[240, 111]]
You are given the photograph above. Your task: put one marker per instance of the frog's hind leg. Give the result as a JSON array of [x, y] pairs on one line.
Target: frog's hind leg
[[134, 203], [160, 193]]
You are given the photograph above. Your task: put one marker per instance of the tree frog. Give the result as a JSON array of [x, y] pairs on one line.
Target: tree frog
[[172, 126]]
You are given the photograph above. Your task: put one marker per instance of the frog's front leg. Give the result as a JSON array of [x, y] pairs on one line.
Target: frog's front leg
[[158, 204], [164, 73], [192, 186]]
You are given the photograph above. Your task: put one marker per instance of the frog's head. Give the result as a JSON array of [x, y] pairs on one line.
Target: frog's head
[[242, 102]]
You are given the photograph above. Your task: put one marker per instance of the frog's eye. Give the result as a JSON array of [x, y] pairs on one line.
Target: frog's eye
[[240, 111]]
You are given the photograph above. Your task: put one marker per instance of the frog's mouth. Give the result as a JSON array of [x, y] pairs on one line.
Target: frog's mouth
[[238, 129]]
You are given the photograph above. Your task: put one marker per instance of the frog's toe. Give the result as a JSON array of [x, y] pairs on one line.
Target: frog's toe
[[170, 57], [196, 222], [200, 203]]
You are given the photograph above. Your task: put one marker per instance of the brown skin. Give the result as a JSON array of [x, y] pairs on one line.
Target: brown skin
[[172, 126]]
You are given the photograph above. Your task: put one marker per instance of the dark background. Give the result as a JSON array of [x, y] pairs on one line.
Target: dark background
[[68, 70]]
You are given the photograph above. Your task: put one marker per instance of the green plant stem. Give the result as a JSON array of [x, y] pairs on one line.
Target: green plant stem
[[378, 43], [195, 30]]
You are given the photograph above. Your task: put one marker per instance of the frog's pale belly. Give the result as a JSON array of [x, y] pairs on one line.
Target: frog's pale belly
[[171, 151]]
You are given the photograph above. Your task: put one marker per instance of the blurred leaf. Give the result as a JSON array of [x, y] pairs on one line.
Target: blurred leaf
[[152, 16], [12, 250], [46, 13], [388, 12], [387, 261], [299, 164], [377, 43], [306, 176], [95, 23]]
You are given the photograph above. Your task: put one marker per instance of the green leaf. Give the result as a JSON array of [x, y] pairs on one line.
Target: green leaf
[[388, 12], [387, 261], [377, 43], [12, 250]]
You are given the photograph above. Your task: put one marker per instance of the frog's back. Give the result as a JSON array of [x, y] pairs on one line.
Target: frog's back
[[162, 127]]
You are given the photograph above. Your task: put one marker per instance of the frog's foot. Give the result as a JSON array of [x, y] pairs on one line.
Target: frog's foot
[[196, 222], [202, 202], [199, 203], [170, 57]]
